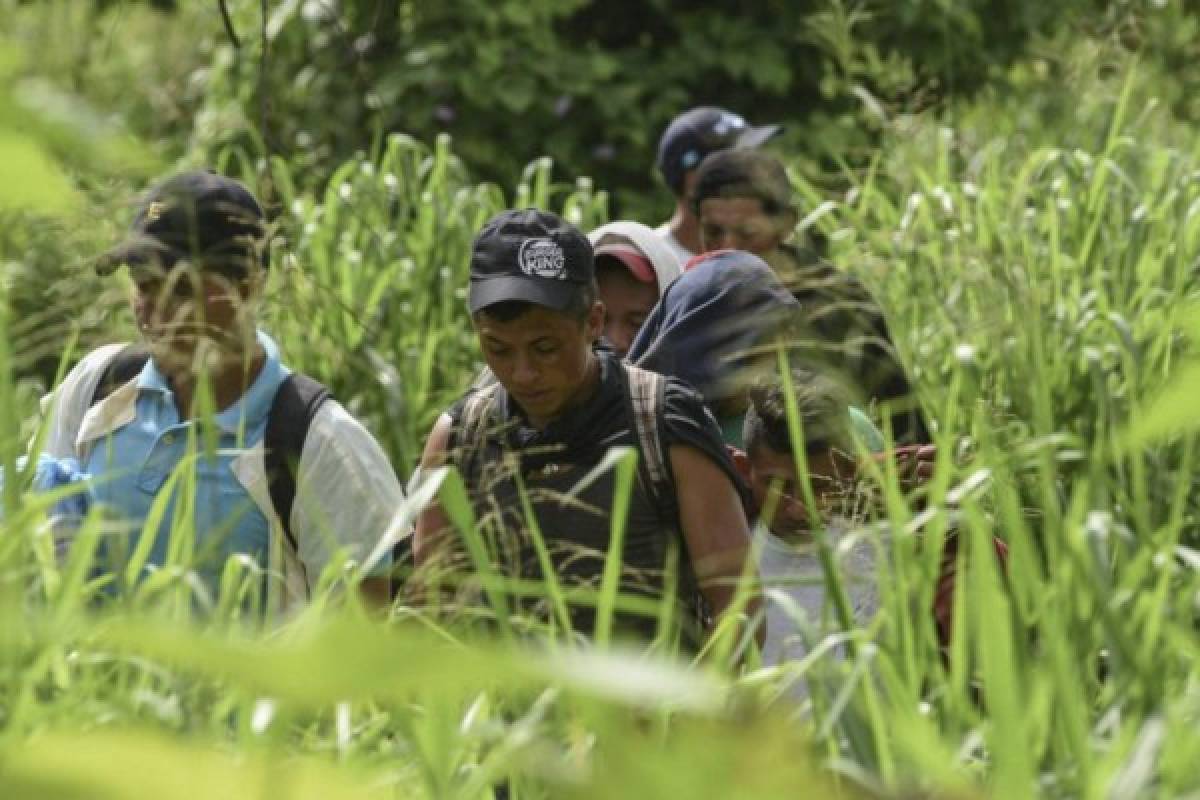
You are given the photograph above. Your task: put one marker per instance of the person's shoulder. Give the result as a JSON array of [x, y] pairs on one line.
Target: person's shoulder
[[333, 424], [813, 275], [480, 391], [338, 441], [97, 360], [686, 417], [680, 395], [809, 265], [676, 393], [86, 374]]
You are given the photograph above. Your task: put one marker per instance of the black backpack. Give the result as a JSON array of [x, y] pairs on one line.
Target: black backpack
[[296, 403]]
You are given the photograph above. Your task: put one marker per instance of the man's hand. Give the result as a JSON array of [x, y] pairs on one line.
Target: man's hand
[[914, 464]]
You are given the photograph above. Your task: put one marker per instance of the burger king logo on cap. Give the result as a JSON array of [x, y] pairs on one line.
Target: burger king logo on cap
[[542, 258], [155, 210]]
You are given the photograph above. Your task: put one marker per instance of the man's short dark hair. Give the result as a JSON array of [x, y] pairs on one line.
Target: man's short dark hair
[[509, 310], [823, 407], [743, 173]]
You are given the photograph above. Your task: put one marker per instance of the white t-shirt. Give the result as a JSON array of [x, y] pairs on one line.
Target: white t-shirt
[[800, 611], [682, 253]]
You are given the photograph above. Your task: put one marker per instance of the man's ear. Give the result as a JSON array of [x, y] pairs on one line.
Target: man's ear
[[594, 323]]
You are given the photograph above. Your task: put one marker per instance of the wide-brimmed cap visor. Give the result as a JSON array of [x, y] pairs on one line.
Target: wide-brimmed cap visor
[[631, 258], [233, 258], [756, 135], [137, 251], [553, 294]]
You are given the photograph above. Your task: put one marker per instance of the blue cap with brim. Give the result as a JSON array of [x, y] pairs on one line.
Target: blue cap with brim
[[700, 131]]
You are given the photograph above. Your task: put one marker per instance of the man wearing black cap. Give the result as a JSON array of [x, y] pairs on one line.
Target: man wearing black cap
[[257, 464], [684, 144], [557, 407]]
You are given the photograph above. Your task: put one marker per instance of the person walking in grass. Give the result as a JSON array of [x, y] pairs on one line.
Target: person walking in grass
[[835, 437], [743, 201], [721, 328], [801, 607], [685, 143], [634, 266], [528, 444], [715, 329], [255, 463]]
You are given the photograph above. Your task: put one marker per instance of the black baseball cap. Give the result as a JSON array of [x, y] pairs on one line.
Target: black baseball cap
[[702, 130], [532, 256], [198, 216]]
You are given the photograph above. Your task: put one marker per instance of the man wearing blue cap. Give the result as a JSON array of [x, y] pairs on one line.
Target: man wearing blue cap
[[686, 142], [531, 441], [202, 429]]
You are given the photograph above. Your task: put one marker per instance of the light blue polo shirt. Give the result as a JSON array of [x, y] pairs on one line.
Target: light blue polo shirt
[[132, 464]]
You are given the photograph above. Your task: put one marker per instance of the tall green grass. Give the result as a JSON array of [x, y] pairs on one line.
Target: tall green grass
[[1042, 295]]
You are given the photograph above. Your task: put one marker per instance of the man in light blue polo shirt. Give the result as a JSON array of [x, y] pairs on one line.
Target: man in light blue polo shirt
[[130, 467], [175, 454]]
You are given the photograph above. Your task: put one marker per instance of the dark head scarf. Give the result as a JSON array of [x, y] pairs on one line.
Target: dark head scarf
[[710, 319]]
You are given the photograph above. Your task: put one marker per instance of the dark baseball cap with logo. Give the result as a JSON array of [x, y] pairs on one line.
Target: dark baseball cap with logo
[[702, 130], [531, 256], [200, 217]]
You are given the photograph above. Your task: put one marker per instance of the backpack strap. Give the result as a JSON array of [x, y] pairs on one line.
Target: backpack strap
[[123, 368], [646, 402], [469, 435], [646, 397], [296, 403]]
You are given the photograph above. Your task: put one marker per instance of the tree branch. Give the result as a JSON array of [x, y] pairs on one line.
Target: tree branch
[[233, 37]]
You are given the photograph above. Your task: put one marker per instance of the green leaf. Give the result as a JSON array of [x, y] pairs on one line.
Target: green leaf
[[136, 764], [31, 180], [1171, 414], [319, 663]]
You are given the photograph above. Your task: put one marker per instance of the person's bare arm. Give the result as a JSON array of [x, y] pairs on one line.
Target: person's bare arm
[[432, 523], [715, 530]]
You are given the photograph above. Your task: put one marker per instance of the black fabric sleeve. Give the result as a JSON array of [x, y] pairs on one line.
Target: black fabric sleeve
[[455, 412], [849, 322], [686, 420]]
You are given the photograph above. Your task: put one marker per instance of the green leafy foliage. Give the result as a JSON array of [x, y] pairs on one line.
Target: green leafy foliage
[[1034, 246], [589, 84]]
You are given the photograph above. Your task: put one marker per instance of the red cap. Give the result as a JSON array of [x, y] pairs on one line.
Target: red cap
[[632, 258]]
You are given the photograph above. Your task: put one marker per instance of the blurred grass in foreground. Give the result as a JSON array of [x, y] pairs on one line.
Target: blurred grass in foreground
[[1044, 296]]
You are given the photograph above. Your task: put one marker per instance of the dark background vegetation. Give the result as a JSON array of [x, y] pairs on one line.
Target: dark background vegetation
[[589, 84]]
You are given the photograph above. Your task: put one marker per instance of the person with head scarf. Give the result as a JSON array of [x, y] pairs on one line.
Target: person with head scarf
[[714, 327], [634, 266]]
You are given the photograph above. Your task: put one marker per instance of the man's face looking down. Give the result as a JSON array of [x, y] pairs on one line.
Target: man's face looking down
[[543, 358], [189, 315], [775, 483]]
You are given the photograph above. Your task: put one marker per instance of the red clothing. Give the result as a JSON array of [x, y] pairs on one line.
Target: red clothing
[[943, 595]]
